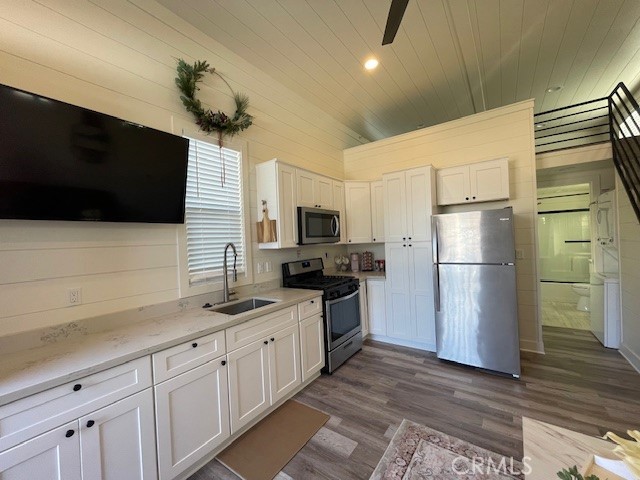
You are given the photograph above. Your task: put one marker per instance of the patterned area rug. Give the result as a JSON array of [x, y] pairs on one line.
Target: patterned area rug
[[419, 452]]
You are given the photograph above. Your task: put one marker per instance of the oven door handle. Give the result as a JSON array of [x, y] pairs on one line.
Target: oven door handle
[[347, 297]]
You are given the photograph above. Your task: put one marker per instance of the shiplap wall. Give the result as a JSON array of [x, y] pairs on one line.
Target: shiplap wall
[[629, 233], [503, 132], [118, 57]]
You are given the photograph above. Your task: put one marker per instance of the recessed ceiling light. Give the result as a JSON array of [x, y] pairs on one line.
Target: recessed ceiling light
[[371, 63], [554, 89]]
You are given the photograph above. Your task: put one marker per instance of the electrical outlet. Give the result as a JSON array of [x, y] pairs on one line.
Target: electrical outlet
[[268, 266], [519, 254], [298, 252], [259, 267], [74, 296]]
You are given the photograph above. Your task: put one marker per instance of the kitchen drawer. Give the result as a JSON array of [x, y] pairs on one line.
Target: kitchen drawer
[[258, 328], [310, 308], [182, 358], [30, 416]]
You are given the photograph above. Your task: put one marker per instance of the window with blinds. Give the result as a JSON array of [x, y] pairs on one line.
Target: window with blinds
[[213, 210]]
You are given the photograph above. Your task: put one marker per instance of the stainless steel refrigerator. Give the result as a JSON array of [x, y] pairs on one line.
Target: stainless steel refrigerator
[[475, 289]]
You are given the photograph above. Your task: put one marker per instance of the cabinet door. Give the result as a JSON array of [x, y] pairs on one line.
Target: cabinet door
[[287, 206], [453, 185], [52, 456], [338, 204], [324, 192], [489, 180], [377, 212], [311, 345], [284, 362], [118, 441], [395, 214], [419, 203], [358, 203], [306, 184], [376, 307], [248, 383], [421, 293], [192, 415], [397, 290], [364, 316]]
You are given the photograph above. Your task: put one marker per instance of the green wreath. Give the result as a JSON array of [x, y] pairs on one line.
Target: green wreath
[[208, 120]]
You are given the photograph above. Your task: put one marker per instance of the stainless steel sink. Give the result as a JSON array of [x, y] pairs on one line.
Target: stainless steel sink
[[242, 306]]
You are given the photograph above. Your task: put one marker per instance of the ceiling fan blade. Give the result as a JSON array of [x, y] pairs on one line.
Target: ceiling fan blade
[[396, 12]]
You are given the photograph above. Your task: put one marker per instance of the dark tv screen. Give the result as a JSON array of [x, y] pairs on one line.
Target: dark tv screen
[[63, 162]]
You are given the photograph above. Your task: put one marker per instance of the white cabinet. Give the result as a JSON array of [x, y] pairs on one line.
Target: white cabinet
[[249, 393], [54, 455], [276, 184], [377, 212], [115, 442], [409, 293], [314, 190], [476, 182], [364, 314], [118, 441], [311, 345], [358, 207], [339, 205], [266, 370], [409, 197], [376, 310], [192, 416]]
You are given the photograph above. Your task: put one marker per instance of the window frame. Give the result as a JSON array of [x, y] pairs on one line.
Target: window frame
[[186, 289]]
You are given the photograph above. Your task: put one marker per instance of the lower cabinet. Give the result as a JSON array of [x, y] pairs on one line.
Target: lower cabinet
[[115, 442], [376, 306], [192, 412], [311, 345], [262, 373]]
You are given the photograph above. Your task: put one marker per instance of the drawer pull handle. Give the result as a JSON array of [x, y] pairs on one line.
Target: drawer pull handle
[[224, 362], [312, 301], [273, 339], [90, 423], [266, 343], [77, 387], [69, 433], [194, 344]]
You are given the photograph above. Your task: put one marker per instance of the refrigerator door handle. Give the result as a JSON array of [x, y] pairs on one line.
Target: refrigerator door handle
[[434, 239], [436, 287]]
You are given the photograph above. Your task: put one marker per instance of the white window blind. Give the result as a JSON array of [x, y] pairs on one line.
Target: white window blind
[[213, 210]]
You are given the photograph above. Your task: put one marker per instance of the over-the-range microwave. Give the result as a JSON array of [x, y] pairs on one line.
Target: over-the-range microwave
[[316, 225]]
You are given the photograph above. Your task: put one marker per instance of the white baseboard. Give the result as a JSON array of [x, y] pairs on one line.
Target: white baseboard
[[429, 347], [531, 346], [630, 356]]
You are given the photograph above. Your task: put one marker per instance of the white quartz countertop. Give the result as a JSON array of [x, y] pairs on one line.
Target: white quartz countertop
[[361, 275], [36, 369]]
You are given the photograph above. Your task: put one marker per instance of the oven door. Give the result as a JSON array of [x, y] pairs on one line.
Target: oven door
[[343, 319]]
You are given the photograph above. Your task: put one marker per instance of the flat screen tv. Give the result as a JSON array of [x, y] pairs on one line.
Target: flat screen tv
[[63, 162]]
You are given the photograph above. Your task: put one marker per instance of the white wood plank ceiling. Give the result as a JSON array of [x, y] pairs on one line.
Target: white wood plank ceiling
[[450, 58]]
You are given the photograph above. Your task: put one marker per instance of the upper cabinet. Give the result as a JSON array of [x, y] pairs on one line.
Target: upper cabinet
[[377, 213], [276, 183], [408, 197], [314, 190], [358, 206], [477, 182]]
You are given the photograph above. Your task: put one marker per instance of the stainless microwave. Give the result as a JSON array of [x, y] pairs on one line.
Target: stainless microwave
[[316, 225]]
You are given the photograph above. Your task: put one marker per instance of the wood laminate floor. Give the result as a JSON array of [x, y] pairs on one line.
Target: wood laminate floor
[[578, 384], [564, 314]]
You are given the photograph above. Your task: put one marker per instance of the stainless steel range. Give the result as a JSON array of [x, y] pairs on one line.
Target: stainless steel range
[[341, 307]]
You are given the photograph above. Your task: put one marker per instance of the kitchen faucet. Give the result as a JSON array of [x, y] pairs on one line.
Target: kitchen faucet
[[225, 281]]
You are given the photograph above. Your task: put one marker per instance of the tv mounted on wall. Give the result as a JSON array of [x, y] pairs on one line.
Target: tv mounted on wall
[[63, 162]]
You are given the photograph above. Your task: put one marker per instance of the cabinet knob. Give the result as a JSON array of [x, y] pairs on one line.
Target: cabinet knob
[[474, 198], [404, 238], [69, 433], [349, 240], [273, 339], [194, 344], [466, 198], [410, 245], [312, 301], [77, 387], [404, 245], [266, 342], [223, 362], [374, 239], [409, 238], [90, 423]]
